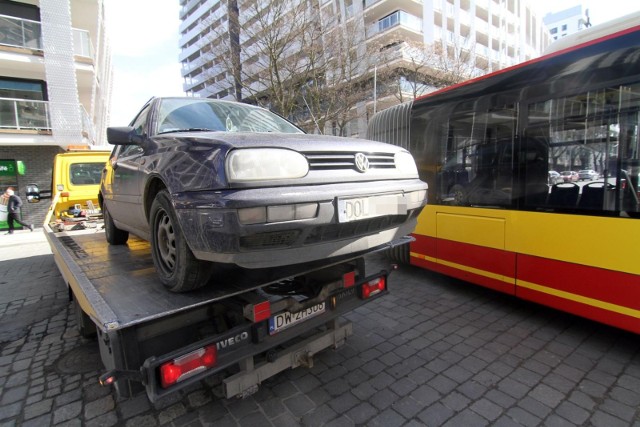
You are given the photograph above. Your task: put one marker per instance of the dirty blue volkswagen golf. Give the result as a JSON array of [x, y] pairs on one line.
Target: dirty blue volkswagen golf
[[210, 182]]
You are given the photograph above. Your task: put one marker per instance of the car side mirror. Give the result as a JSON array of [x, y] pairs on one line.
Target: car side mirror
[[33, 193], [125, 135]]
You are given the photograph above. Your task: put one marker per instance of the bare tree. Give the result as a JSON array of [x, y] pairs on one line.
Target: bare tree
[[260, 52], [342, 73], [413, 68], [285, 56]]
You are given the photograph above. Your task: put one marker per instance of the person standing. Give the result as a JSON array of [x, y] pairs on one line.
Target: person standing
[[13, 210]]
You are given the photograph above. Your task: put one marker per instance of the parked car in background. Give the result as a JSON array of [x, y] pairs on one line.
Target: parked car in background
[[554, 178], [588, 175], [569, 176], [212, 182]]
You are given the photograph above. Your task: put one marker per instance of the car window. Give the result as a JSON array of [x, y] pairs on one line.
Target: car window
[[140, 123], [179, 114]]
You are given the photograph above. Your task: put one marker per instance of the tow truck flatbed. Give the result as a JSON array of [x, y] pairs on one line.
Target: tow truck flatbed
[[122, 286], [257, 322]]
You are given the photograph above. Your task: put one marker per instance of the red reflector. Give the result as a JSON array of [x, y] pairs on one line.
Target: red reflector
[[183, 367], [64, 194], [373, 287], [349, 279], [261, 311]]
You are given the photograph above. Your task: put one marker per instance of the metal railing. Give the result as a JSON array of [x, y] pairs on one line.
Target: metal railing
[[30, 115], [397, 18], [20, 32], [24, 114], [17, 32]]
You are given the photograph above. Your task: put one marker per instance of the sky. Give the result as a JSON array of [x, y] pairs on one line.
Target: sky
[[144, 45]]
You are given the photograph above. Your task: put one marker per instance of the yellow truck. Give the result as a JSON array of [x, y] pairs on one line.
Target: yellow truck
[[76, 183]]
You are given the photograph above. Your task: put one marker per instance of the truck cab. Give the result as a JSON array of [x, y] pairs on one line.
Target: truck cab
[[76, 181]]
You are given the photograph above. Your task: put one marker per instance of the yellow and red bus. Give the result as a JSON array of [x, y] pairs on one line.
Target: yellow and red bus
[[533, 177]]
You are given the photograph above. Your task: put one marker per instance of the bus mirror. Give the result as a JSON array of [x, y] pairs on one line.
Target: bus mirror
[[33, 193]]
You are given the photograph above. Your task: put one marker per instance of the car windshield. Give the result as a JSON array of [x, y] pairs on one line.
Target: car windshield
[[196, 114]]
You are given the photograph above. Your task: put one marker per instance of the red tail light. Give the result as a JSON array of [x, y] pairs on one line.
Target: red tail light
[[349, 279], [185, 366], [373, 287], [261, 311]]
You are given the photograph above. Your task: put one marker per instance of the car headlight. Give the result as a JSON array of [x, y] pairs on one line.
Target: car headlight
[[261, 164], [405, 163]]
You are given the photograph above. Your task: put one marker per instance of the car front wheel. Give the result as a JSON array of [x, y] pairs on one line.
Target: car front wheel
[[179, 270]]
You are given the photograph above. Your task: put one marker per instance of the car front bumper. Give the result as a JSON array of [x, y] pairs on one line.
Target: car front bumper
[[210, 221]]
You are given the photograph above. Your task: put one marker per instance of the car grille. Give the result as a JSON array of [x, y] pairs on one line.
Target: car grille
[[346, 230], [346, 160], [275, 239]]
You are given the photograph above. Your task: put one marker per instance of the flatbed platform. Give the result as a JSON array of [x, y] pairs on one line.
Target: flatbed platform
[[121, 285]]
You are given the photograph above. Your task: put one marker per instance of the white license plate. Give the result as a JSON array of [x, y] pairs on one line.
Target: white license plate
[[285, 320], [356, 208]]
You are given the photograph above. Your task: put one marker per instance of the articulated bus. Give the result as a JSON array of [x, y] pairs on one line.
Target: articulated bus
[[533, 176]]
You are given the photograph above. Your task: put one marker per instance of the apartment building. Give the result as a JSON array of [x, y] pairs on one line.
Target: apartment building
[[566, 22], [55, 88], [489, 34]]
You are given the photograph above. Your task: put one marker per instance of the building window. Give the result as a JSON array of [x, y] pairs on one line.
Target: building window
[[22, 89], [554, 30], [564, 27]]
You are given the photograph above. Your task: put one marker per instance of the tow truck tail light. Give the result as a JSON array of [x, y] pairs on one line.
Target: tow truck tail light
[[373, 287], [261, 311], [349, 279], [188, 365]]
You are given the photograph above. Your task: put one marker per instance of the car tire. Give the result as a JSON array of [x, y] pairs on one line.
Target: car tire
[[179, 270], [114, 235]]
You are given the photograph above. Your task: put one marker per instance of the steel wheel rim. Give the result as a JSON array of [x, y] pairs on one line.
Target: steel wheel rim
[[166, 241]]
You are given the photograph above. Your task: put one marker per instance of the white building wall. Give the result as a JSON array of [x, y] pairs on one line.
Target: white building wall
[[504, 32]]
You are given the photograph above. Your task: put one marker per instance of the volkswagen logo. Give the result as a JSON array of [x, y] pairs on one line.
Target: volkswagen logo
[[362, 163]]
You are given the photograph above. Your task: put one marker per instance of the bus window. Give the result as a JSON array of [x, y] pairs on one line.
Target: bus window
[[592, 141], [478, 156]]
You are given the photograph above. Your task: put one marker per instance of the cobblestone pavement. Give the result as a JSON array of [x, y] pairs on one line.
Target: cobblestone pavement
[[433, 352]]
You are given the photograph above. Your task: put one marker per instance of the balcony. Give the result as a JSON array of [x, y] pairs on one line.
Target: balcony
[[24, 33], [24, 115], [397, 18], [31, 116]]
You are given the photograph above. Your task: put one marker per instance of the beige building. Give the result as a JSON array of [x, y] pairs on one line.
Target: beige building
[[55, 88]]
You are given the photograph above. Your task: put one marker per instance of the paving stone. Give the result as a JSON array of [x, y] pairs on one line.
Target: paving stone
[[523, 417], [318, 416], [38, 409], [98, 407], [572, 413], [403, 386], [436, 414], [14, 394], [407, 406], [42, 420], [10, 410], [343, 403], [299, 405], [388, 418], [67, 412]]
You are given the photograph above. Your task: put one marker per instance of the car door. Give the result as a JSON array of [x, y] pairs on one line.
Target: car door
[[124, 200]]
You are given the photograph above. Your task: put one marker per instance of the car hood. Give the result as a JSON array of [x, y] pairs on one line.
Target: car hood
[[299, 142], [192, 160]]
